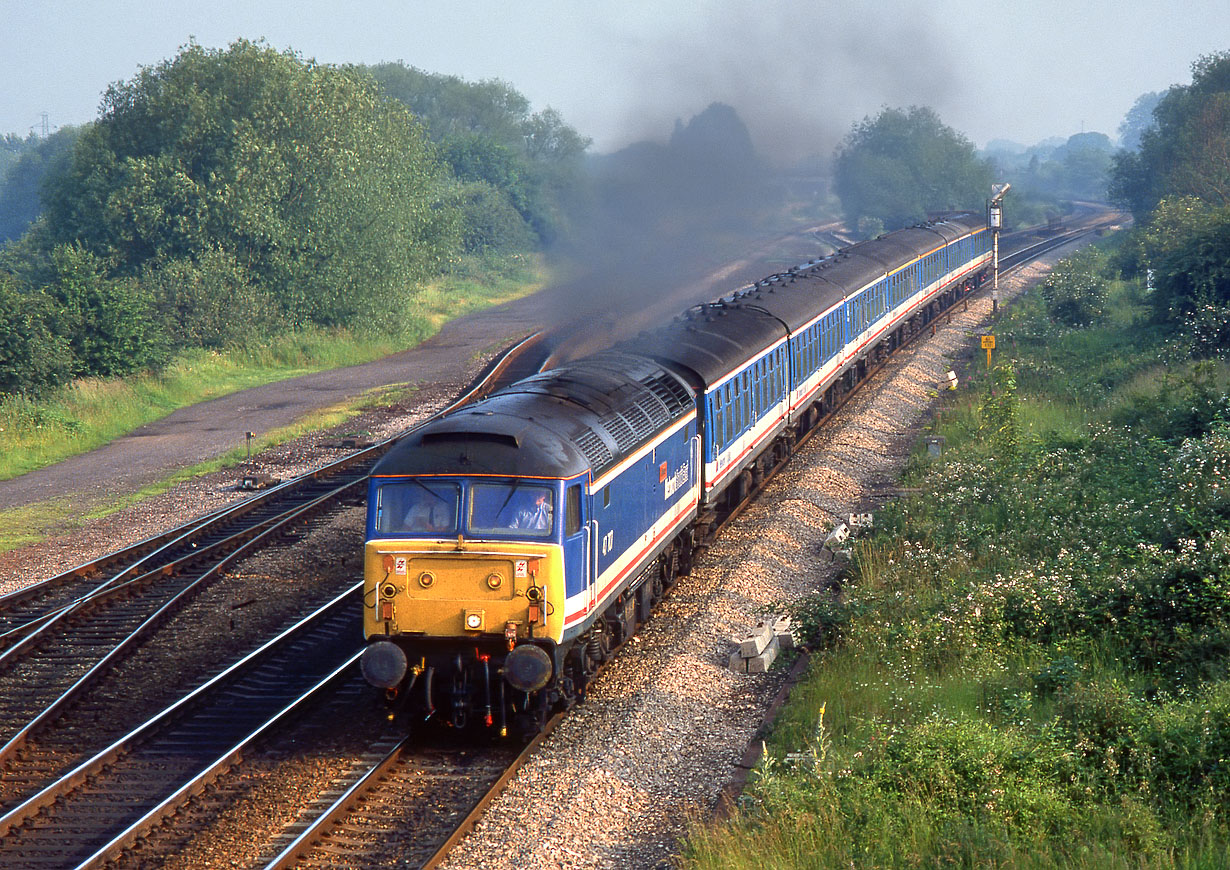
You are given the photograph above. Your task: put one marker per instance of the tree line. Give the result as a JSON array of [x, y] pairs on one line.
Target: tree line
[[1177, 186], [227, 194]]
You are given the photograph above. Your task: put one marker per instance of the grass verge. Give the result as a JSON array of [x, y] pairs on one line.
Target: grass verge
[[33, 523], [89, 413]]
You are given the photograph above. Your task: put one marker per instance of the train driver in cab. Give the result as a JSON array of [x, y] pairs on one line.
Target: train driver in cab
[[534, 514], [429, 513]]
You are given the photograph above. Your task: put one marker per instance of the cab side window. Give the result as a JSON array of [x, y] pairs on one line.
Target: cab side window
[[572, 510]]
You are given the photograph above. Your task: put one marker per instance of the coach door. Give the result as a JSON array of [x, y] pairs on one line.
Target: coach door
[[578, 548]]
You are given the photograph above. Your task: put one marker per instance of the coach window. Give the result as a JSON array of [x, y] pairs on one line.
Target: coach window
[[744, 400], [730, 414], [606, 496], [719, 420], [572, 510]]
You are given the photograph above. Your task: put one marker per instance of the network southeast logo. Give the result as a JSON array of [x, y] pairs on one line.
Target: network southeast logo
[[677, 480]]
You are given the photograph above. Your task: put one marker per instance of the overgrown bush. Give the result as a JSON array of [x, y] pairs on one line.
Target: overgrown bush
[[1075, 291], [33, 356], [1183, 402]]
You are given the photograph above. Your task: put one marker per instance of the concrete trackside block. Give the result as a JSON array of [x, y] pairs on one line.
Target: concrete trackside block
[[784, 633], [837, 537], [761, 663], [757, 639], [757, 652], [861, 523]]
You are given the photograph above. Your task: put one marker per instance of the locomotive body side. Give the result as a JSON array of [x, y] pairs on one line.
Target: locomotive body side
[[637, 511]]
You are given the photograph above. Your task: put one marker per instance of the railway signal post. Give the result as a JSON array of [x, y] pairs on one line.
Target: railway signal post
[[996, 220]]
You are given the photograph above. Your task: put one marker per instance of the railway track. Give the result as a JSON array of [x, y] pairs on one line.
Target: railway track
[[103, 805], [61, 660], [424, 789]]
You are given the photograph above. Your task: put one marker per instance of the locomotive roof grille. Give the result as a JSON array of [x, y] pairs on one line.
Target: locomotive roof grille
[[594, 449], [670, 392], [620, 429], [640, 420]]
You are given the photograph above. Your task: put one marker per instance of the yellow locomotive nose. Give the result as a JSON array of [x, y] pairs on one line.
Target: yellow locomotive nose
[[430, 589]]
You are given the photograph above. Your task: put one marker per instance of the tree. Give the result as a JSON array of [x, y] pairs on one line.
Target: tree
[[903, 163], [20, 188], [1138, 119], [328, 197], [486, 132], [12, 147], [1187, 151]]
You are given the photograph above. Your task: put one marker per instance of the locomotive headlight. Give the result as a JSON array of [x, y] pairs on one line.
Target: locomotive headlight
[[388, 590], [494, 580], [426, 579], [474, 620]]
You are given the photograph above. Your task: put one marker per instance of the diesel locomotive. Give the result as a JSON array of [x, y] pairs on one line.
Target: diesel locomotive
[[511, 545]]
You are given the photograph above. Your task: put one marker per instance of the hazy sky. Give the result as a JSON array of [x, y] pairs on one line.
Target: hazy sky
[[799, 71]]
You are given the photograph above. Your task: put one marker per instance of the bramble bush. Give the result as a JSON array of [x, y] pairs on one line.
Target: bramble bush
[[1075, 292]]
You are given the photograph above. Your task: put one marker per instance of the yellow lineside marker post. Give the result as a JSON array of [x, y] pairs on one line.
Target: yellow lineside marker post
[[988, 342]]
